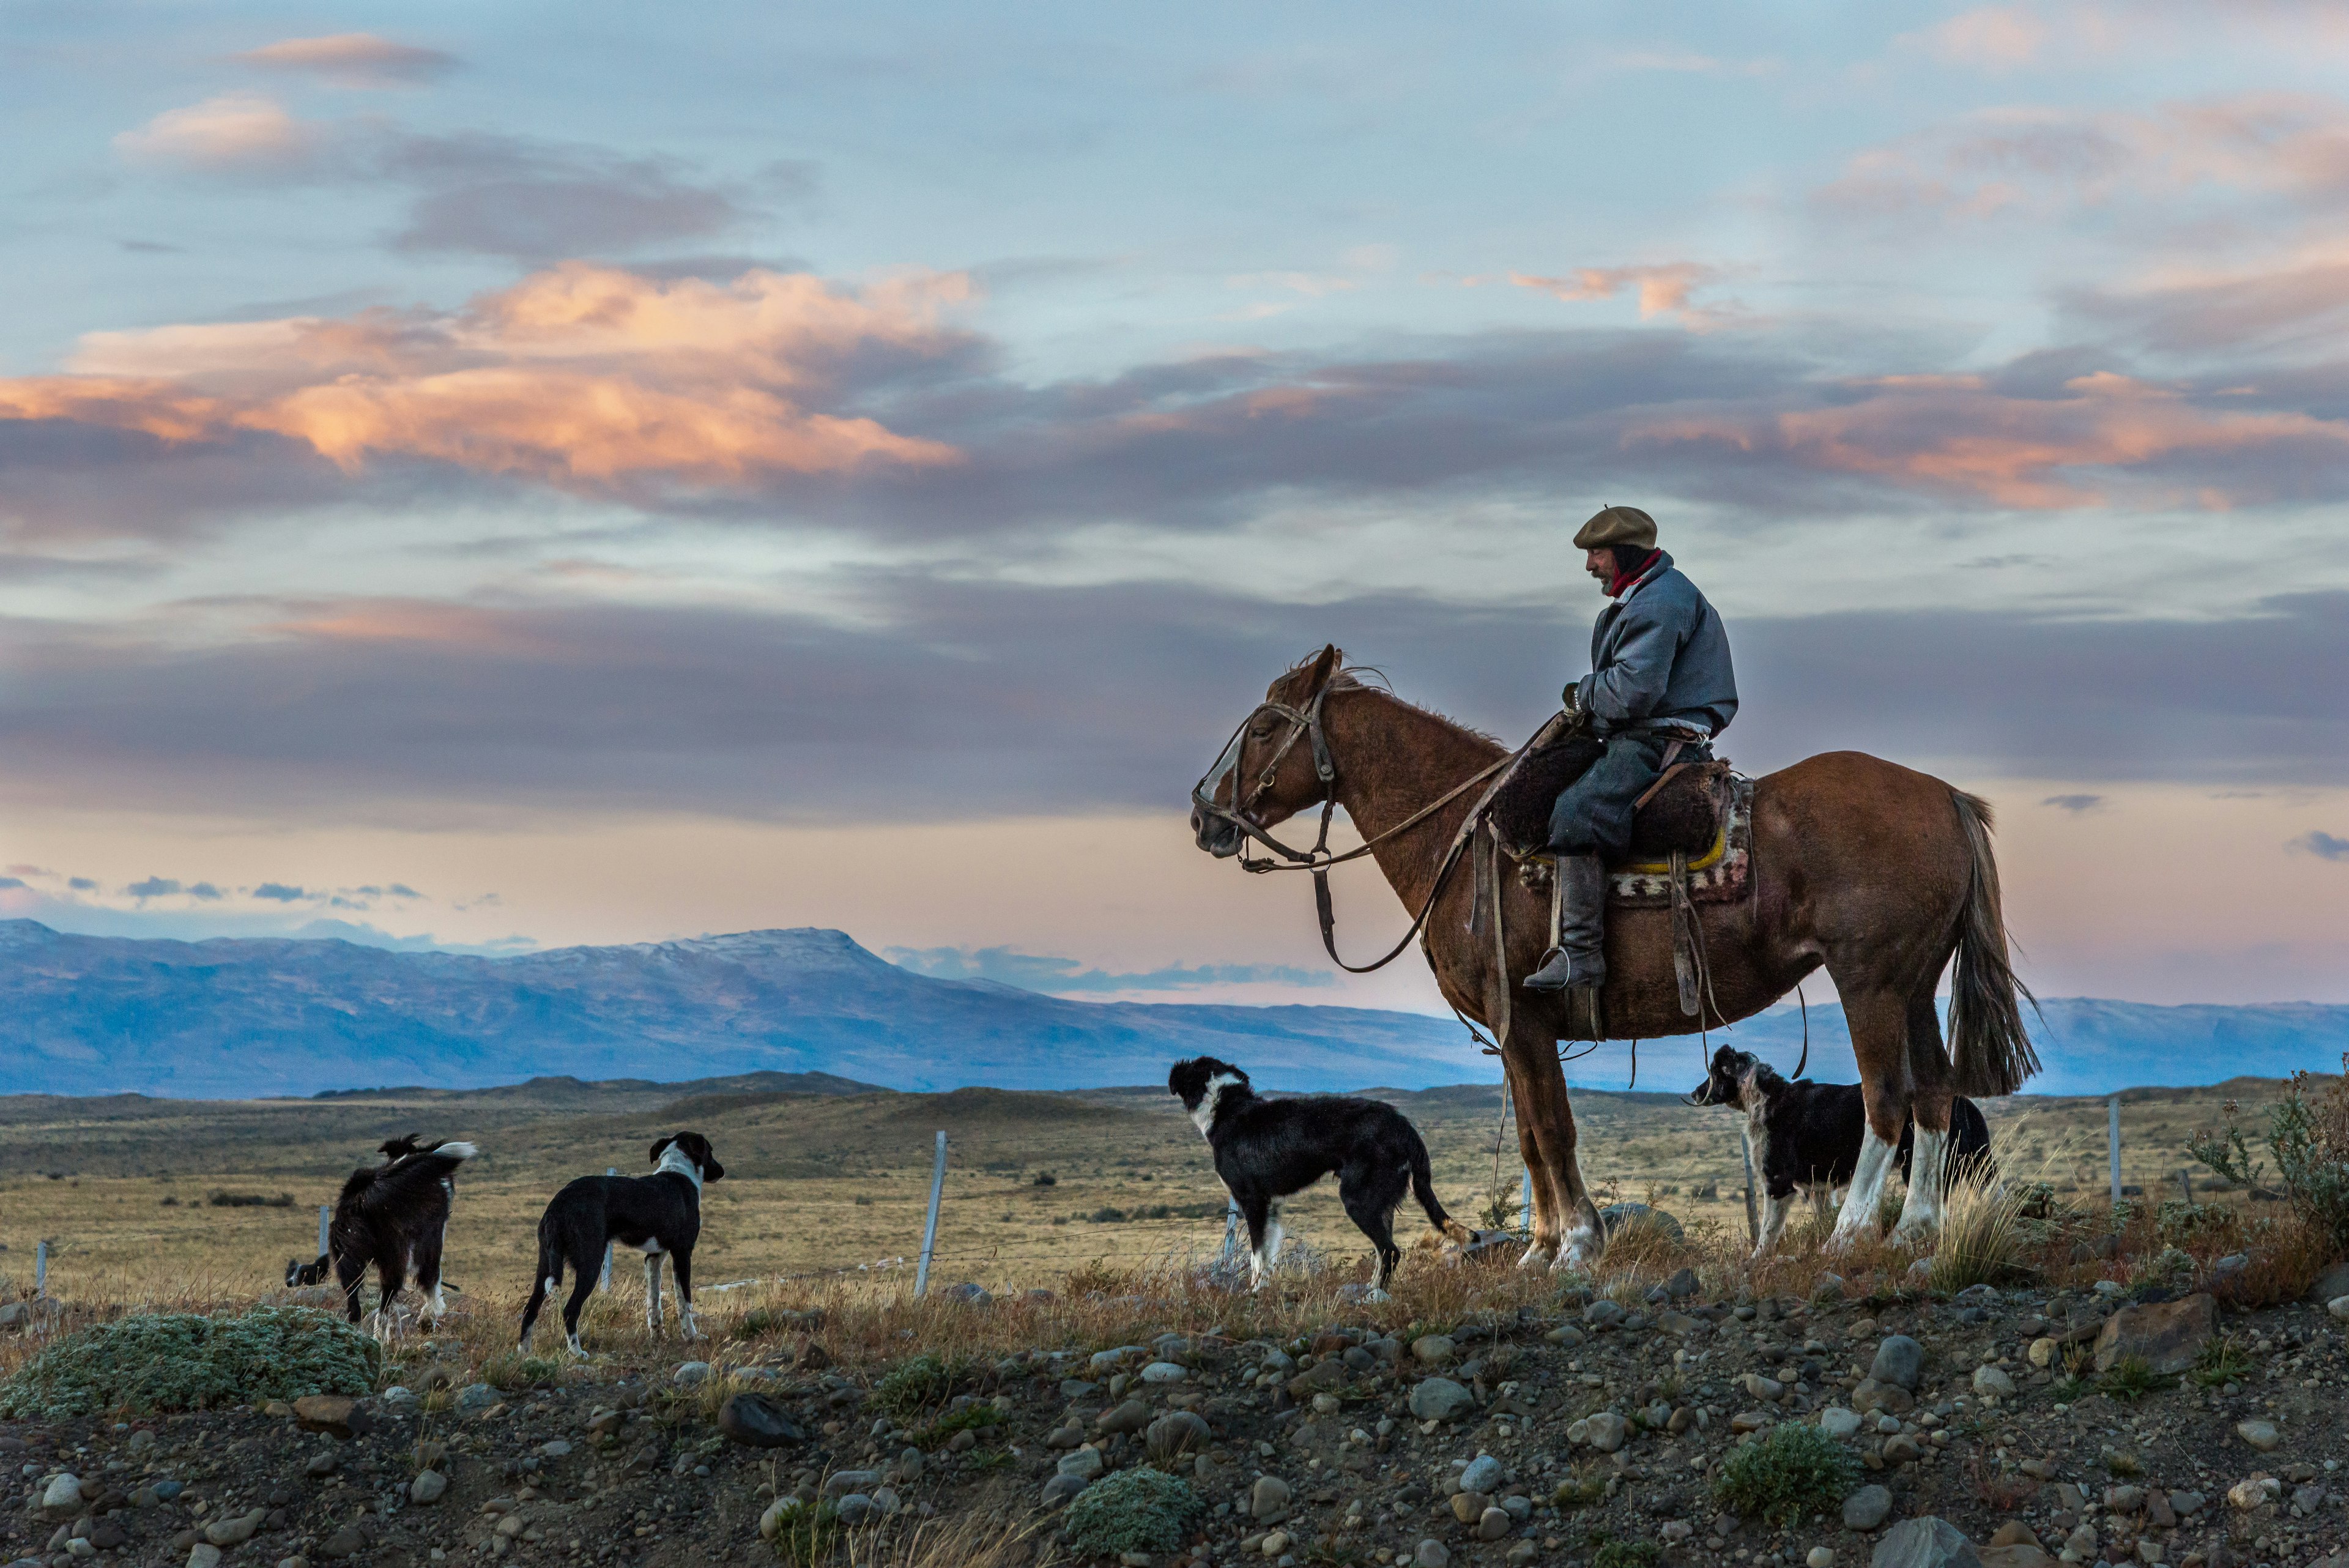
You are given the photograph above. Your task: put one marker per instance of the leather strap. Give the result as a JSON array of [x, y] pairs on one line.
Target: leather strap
[[1672, 770]]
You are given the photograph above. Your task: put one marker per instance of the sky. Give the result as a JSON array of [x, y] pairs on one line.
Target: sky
[[507, 476]]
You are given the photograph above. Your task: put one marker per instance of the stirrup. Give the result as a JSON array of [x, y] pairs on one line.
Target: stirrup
[[1560, 960]]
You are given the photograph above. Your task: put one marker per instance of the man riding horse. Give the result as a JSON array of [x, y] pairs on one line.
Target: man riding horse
[[1660, 689]]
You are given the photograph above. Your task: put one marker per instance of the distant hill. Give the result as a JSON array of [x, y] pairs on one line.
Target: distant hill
[[238, 1017], [809, 1011]]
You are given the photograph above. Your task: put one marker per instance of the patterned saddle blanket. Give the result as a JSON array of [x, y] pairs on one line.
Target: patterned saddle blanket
[[1704, 813]]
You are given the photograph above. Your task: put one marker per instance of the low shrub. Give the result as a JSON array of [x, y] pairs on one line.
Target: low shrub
[[2308, 1137], [1139, 1510], [969, 1418], [250, 1201], [513, 1371], [182, 1361], [1794, 1470], [1608, 1553], [2131, 1377], [806, 1533], [922, 1382]]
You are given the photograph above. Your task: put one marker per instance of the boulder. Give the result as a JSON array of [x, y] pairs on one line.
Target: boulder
[[2170, 1335], [1440, 1399], [1060, 1486], [62, 1496], [1269, 1500], [1178, 1432], [1607, 1431], [1867, 1508], [1433, 1349], [1086, 1464], [755, 1421], [1900, 1361], [337, 1415], [1131, 1416], [1166, 1372], [1628, 1219], [1993, 1382], [428, 1488], [2261, 1435], [236, 1530], [1482, 1474], [1925, 1542], [1837, 1422]]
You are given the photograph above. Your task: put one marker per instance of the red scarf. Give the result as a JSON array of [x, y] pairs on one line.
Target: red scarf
[[1624, 579]]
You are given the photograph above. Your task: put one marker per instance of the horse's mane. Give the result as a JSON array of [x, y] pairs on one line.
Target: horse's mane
[[1371, 677]]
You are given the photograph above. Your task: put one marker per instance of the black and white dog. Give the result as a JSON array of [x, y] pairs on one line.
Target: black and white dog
[[1267, 1150], [655, 1214], [299, 1274], [1808, 1134], [393, 1217]]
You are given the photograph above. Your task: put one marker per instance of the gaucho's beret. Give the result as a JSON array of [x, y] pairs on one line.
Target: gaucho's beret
[[1617, 525]]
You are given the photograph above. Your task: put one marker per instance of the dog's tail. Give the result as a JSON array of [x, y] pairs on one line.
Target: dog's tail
[[1423, 1187], [395, 1188], [545, 1277]]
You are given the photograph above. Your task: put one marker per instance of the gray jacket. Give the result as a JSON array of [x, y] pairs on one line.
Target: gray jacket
[[1659, 659]]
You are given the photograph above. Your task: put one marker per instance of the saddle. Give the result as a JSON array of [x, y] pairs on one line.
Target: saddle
[[1685, 811]]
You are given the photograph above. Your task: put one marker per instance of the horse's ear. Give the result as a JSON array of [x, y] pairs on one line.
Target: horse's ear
[[1325, 666]]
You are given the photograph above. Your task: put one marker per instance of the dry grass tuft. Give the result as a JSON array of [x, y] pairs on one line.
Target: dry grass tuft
[[972, 1540]]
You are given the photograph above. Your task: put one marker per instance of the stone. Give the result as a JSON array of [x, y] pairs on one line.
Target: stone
[[349, 1542], [1432, 1554], [1269, 1500], [1178, 1432], [1625, 1219], [1867, 1508], [2338, 1307], [1131, 1416], [1059, 1486], [2331, 1285], [1164, 1371], [234, 1530], [1482, 1474], [2186, 1503], [399, 1399], [1440, 1399], [1900, 1361], [1820, 1557], [2021, 1555], [1493, 1525], [755, 1421], [2168, 1336], [1468, 1506], [840, 1484], [1763, 1387], [2043, 1351], [1606, 1431], [1565, 1334], [1872, 1397], [472, 1399], [1086, 1463], [1104, 1362], [62, 1495], [1826, 1288], [968, 1293], [337, 1415], [428, 1488], [857, 1508], [2014, 1533], [1681, 1285], [1901, 1447], [690, 1374], [1837, 1422], [1924, 1543], [1993, 1382], [2261, 1435], [1686, 1418], [203, 1555], [2251, 1493], [1603, 1312], [1434, 1350]]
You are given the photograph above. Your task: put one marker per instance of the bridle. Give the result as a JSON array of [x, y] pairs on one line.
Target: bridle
[[1305, 724]]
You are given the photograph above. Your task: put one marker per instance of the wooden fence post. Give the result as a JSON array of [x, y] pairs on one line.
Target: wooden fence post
[[1753, 1214], [325, 1214], [930, 1227], [41, 1267]]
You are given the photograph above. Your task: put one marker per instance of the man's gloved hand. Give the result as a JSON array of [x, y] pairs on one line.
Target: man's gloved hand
[[1571, 699]]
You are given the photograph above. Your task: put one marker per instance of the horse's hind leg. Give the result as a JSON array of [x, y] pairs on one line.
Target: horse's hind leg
[[1931, 1100], [1880, 1039]]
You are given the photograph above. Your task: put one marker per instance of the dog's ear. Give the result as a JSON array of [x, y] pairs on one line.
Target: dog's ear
[[660, 1146], [710, 1169]]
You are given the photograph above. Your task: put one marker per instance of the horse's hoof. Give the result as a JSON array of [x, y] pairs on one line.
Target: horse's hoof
[[1537, 1257], [1910, 1238], [1376, 1295]]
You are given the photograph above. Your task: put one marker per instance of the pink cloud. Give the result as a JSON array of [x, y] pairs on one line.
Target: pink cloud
[[351, 59], [1956, 435], [1661, 290], [237, 130], [581, 376]]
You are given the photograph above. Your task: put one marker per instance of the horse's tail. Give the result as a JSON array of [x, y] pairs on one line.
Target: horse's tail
[[1987, 1041], [1423, 1187]]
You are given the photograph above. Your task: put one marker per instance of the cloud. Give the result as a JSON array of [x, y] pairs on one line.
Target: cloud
[[352, 60], [533, 201], [279, 892], [81, 884], [1069, 976], [2032, 161], [2074, 803], [234, 132], [152, 887], [2323, 845], [1999, 38], [2102, 438], [12, 882], [952, 700], [585, 378], [205, 891], [1661, 290]]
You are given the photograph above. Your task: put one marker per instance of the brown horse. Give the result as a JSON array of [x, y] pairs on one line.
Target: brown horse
[[1882, 874]]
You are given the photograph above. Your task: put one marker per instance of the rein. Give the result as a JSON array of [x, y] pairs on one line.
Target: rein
[[1307, 723]]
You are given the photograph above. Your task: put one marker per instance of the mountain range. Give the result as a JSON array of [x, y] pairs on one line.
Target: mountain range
[[246, 1017]]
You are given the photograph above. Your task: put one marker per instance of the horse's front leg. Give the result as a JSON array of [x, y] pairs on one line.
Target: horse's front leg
[[1567, 1233]]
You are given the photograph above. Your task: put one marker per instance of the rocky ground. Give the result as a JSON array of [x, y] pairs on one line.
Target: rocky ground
[[1587, 1431]]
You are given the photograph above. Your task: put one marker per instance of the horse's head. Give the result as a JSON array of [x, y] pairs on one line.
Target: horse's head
[[1274, 766]]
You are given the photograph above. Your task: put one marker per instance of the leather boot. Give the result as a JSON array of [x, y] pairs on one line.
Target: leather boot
[[1581, 956]]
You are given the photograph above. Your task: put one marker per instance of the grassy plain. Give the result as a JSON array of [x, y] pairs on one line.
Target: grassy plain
[[121, 1186]]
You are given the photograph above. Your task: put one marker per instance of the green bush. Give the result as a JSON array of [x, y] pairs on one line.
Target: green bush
[[1134, 1510], [180, 1361], [514, 1370], [1794, 1470], [806, 1533], [924, 1381], [1608, 1553], [2308, 1136], [969, 1418]]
